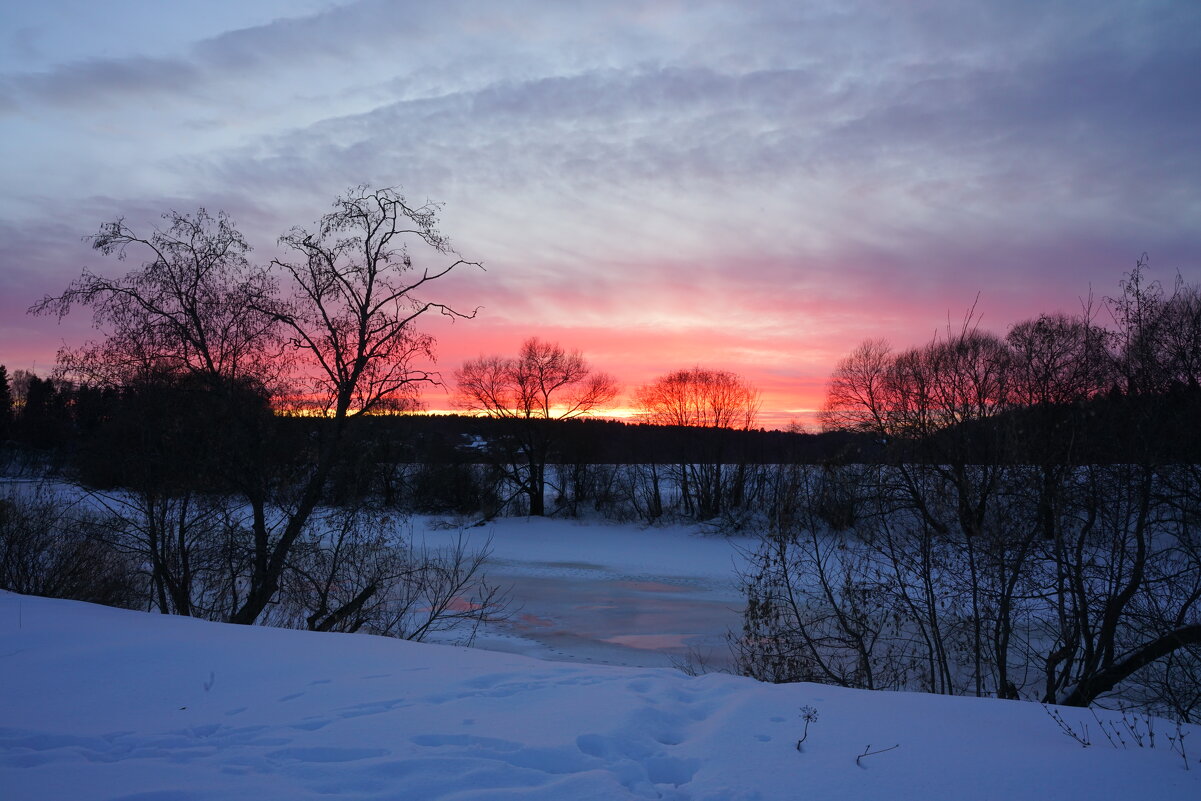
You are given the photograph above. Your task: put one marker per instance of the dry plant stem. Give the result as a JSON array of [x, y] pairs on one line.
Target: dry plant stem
[[869, 752], [1080, 737], [809, 715], [1131, 721], [1177, 744], [1119, 742], [804, 734]]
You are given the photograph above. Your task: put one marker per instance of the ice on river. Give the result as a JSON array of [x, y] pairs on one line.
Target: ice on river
[[608, 594]]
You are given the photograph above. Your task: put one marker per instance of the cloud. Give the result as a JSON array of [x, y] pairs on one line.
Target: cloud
[[99, 81], [784, 177]]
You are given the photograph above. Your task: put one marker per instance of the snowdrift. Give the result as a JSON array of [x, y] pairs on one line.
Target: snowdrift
[[101, 703]]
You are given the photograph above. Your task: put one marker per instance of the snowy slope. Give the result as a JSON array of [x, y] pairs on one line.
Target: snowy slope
[[106, 704]]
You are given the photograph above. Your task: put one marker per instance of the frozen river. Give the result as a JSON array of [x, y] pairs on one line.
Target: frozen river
[[613, 594]]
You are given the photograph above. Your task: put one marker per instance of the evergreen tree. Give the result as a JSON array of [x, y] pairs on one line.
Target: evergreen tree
[[6, 404], [43, 421]]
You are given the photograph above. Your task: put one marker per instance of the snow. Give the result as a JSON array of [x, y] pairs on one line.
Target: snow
[[101, 703]]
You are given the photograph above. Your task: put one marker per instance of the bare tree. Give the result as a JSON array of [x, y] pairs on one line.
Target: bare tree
[[194, 305], [357, 570], [350, 314], [699, 397], [703, 398], [1181, 336], [51, 548], [195, 357], [819, 605], [544, 382], [1058, 360], [938, 403], [1005, 551], [1131, 577], [858, 396], [340, 325], [183, 543], [355, 299]]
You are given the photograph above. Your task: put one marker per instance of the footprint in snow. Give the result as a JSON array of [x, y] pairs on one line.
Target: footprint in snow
[[326, 754], [312, 725]]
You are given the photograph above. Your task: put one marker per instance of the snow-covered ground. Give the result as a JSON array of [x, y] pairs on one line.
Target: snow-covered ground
[[101, 703]]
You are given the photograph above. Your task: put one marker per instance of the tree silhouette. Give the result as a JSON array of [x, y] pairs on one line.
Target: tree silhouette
[[6, 404], [702, 398], [543, 382], [332, 329]]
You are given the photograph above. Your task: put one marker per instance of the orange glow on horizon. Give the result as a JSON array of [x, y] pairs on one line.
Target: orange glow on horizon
[[774, 420], [790, 370]]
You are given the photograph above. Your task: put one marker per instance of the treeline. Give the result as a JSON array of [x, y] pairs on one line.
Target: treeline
[[1033, 531], [45, 414], [183, 434], [56, 422], [65, 421]]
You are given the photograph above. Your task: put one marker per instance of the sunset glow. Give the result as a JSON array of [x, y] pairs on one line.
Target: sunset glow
[[661, 185]]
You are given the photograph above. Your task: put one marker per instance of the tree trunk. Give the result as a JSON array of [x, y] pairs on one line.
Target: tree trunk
[[537, 489], [1087, 690]]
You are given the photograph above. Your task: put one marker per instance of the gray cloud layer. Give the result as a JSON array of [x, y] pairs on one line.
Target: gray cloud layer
[[920, 151]]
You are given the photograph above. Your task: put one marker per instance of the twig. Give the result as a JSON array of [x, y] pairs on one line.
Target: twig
[[1081, 737], [869, 752], [1177, 743], [1106, 732], [1131, 720]]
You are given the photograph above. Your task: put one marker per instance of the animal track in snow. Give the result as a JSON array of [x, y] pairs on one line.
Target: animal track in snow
[[372, 708], [325, 754]]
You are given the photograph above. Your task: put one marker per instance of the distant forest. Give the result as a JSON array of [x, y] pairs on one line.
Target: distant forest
[[80, 428]]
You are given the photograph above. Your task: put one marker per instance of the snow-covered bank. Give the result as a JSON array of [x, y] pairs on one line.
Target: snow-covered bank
[[101, 703]]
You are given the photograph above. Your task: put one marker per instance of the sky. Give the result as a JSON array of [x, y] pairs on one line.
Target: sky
[[753, 187]]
